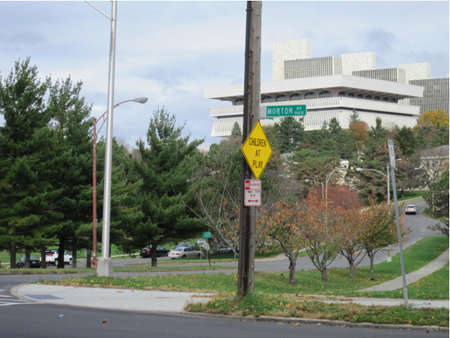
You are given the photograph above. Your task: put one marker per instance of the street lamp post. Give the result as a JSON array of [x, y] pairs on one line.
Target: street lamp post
[[387, 177], [308, 180], [102, 119]]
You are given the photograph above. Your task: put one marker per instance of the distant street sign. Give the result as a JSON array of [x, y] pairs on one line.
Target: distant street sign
[[252, 195], [205, 245], [257, 150], [282, 111], [207, 235], [391, 153]]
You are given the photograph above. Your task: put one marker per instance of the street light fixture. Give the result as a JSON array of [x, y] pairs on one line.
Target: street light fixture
[[308, 180], [103, 119]]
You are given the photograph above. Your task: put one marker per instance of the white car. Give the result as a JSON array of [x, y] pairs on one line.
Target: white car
[[410, 209], [67, 258], [183, 252]]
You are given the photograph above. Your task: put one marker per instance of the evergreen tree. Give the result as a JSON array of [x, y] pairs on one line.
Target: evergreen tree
[[290, 134], [165, 188], [72, 170], [25, 161], [236, 130], [406, 141]]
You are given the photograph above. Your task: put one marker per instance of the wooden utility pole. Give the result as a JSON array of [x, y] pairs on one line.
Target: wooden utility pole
[[252, 95]]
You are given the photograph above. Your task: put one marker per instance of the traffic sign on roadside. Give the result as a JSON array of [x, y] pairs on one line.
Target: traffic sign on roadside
[[282, 111], [257, 150], [391, 153], [252, 193]]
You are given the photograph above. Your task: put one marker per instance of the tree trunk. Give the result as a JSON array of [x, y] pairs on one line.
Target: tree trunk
[[74, 253], [352, 270], [154, 255], [61, 250], [88, 258], [292, 263], [27, 258], [43, 258], [12, 255], [324, 275], [371, 255], [351, 263]]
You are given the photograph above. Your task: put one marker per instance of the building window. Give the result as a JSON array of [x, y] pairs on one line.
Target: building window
[[239, 102], [296, 97], [325, 94], [267, 99], [311, 95], [385, 99], [394, 100], [341, 94], [359, 96], [350, 95], [368, 97], [376, 98], [282, 98]]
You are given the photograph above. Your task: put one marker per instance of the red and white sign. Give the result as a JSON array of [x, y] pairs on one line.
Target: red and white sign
[[252, 193]]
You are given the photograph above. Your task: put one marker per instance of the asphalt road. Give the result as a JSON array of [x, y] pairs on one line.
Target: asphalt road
[[39, 320]]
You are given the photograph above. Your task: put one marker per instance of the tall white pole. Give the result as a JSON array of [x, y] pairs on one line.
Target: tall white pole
[[104, 267]]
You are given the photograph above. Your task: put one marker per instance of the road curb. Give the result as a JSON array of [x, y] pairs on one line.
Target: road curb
[[319, 322]]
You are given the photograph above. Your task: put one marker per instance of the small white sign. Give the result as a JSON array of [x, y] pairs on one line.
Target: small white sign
[[252, 193], [205, 245]]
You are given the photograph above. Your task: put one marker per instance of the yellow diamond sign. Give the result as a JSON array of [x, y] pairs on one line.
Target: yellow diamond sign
[[257, 150]]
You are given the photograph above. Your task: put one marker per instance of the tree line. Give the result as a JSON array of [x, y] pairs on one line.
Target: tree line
[[165, 189]]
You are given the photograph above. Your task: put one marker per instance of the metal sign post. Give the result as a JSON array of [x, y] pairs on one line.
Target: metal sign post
[[400, 245]]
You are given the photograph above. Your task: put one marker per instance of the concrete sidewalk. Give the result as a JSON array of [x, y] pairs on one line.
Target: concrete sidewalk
[[412, 277], [107, 298]]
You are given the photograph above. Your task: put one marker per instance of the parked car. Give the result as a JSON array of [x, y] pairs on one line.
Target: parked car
[[67, 258], [34, 262], [184, 252], [50, 256], [410, 209], [160, 251], [223, 250], [185, 245]]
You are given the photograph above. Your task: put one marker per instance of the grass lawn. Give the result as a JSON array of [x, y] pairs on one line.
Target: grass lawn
[[308, 282], [409, 194]]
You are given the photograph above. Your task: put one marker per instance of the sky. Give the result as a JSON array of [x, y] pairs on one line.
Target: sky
[[169, 51]]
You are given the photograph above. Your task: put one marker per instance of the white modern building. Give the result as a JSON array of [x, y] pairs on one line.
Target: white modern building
[[329, 87]]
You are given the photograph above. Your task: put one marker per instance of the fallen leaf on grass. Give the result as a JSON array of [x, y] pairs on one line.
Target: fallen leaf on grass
[[104, 321]]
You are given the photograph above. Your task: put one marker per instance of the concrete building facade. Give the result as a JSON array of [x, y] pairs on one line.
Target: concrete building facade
[[332, 87]]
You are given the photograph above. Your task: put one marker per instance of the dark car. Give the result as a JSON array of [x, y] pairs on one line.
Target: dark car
[[34, 262], [160, 251]]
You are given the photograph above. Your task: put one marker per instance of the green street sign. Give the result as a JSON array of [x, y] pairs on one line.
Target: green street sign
[[207, 235], [283, 111]]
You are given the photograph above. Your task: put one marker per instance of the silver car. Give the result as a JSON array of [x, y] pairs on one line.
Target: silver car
[[183, 252]]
